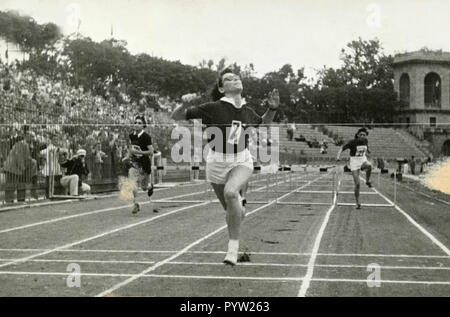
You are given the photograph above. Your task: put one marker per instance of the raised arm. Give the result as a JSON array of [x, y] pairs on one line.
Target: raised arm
[[274, 103], [338, 157], [179, 113]]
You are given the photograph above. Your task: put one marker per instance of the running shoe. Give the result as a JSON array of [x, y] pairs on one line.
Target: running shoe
[[136, 209], [231, 258], [358, 206], [369, 184], [150, 191]]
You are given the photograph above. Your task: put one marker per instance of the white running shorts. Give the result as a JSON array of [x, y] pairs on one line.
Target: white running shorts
[[357, 161], [218, 165]]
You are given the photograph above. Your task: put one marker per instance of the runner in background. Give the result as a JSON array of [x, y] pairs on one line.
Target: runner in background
[[358, 147]]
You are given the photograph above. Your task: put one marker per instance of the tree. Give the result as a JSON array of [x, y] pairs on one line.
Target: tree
[[30, 36], [361, 90], [364, 66]]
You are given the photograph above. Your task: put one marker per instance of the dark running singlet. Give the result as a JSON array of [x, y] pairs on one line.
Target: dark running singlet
[[232, 122], [141, 161], [357, 147]]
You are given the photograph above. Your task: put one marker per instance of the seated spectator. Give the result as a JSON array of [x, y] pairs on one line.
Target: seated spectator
[[76, 170], [323, 147], [290, 133], [380, 163], [315, 143], [412, 165]]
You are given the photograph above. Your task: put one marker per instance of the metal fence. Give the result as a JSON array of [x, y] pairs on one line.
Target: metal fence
[[30, 155]]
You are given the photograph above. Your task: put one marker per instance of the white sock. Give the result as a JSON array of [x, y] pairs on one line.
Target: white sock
[[233, 245]]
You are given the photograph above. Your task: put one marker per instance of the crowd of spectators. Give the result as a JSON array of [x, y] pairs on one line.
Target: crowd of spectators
[[38, 113], [312, 143]]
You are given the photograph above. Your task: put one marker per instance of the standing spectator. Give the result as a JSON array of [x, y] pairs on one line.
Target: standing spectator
[[19, 168], [412, 165], [107, 149], [113, 154], [290, 133], [99, 156], [51, 165]]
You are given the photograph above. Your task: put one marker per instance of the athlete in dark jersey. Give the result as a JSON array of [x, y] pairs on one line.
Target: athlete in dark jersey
[[140, 153], [358, 147], [229, 117], [229, 120]]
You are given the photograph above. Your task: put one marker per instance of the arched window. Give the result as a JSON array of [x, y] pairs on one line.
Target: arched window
[[404, 89], [446, 148], [432, 90]]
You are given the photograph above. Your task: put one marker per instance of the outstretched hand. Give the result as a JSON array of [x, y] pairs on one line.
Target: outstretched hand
[[274, 99]]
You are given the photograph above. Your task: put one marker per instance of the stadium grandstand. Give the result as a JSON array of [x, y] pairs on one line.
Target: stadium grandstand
[[45, 113]]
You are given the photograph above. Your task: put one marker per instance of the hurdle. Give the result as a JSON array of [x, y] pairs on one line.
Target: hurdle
[[206, 190], [373, 192], [310, 170], [263, 175]]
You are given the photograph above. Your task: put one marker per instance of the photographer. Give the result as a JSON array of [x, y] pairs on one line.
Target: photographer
[[76, 170]]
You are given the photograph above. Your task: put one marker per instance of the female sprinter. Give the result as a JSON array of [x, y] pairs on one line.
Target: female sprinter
[[229, 164], [358, 147], [139, 161]]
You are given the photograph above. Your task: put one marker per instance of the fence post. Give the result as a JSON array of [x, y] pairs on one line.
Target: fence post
[[395, 187]]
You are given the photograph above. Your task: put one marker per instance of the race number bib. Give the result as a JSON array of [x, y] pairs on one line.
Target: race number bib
[[361, 150], [235, 132]]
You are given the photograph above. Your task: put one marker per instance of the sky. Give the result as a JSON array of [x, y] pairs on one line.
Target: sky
[[267, 33]]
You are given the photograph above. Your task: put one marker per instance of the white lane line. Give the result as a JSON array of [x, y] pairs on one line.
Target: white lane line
[[366, 205], [82, 261], [181, 252], [256, 278], [34, 224], [423, 194], [263, 264], [254, 253], [54, 203], [315, 250], [101, 235], [219, 277], [386, 267], [417, 225], [93, 212], [419, 256], [25, 259], [170, 199], [100, 210], [382, 281]]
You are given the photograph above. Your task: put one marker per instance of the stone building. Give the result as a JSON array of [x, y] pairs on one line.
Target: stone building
[[422, 82]]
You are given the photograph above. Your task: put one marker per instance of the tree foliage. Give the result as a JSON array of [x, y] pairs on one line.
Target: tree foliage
[[30, 36], [361, 90]]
